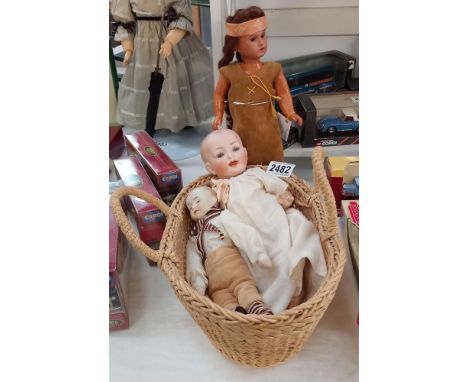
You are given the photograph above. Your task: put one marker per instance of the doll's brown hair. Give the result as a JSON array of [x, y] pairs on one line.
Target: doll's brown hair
[[230, 42]]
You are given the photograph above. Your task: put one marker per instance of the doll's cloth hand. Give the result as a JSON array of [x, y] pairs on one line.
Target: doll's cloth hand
[[127, 57], [166, 49], [285, 199], [264, 261]]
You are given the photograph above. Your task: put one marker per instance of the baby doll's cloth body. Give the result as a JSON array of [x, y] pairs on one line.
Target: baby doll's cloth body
[[230, 282], [287, 235], [186, 97], [251, 111]]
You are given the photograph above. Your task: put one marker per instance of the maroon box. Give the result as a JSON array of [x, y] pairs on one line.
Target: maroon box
[[118, 314], [149, 219], [164, 173]]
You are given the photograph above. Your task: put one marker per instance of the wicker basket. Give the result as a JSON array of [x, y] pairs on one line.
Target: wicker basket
[[251, 340]]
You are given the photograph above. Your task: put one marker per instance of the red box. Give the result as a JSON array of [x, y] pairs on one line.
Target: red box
[[149, 219], [118, 314], [164, 173]]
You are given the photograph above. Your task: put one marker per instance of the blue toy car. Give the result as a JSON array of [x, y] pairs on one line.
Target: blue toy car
[[331, 124], [351, 189]]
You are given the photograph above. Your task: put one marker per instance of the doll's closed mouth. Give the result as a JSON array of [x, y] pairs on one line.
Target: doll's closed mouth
[[233, 163]]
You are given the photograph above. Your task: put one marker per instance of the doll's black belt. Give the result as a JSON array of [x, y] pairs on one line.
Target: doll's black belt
[[157, 18]]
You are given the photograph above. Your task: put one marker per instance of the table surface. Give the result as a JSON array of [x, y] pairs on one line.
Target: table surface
[[164, 343]]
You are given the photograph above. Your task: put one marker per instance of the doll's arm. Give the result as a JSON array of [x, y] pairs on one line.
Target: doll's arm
[[127, 46], [172, 39], [122, 13], [285, 199], [194, 271], [245, 238], [183, 9], [285, 103], [276, 186], [221, 90]]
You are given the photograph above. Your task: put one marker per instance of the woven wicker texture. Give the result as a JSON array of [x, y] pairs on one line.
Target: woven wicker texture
[[251, 340]]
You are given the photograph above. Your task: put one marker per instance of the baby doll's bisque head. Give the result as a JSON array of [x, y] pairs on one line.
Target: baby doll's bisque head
[[223, 154], [199, 201]]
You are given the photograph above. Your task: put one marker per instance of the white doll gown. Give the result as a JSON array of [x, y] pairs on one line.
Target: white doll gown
[[288, 236], [186, 97]]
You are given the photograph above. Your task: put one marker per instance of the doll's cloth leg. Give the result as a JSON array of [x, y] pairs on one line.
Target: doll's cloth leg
[[228, 274], [218, 283], [224, 298]]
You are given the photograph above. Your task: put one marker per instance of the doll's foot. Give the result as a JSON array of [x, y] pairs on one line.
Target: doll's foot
[[258, 307], [240, 309]]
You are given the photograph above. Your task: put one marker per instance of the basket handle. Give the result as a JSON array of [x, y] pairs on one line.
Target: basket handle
[[321, 180], [125, 225]]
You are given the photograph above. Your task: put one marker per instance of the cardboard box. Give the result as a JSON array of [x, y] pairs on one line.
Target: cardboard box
[[312, 107], [116, 142], [118, 246], [335, 168], [350, 211], [318, 72], [149, 219], [164, 173]]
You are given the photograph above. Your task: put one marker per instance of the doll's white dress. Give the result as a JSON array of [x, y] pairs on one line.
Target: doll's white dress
[[287, 235], [186, 97]]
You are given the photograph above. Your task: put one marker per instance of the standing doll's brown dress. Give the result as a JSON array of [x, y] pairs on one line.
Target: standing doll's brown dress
[[251, 107]]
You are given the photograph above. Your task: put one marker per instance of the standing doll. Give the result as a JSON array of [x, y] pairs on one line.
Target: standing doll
[[251, 87], [185, 63]]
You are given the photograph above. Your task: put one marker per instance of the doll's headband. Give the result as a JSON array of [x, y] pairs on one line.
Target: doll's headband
[[246, 28]]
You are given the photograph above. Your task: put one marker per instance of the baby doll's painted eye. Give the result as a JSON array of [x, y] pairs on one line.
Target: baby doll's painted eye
[[236, 148], [219, 155]]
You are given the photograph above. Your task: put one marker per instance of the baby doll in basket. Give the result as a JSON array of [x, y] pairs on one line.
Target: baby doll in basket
[[214, 259], [262, 201]]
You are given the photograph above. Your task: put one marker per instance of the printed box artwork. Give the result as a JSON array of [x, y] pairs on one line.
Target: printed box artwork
[[336, 168], [164, 173], [149, 219], [118, 246]]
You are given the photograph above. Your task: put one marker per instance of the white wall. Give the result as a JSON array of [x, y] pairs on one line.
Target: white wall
[[295, 27]]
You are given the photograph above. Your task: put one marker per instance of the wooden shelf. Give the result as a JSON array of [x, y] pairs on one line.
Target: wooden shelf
[[296, 150]]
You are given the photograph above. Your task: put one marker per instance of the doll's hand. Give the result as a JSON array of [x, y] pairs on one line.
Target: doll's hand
[[296, 119], [264, 261], [285, 199], [166, 49], [216, 123], [127, 57]]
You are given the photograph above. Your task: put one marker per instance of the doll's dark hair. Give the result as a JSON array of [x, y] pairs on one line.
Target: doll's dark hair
[[230, 42]]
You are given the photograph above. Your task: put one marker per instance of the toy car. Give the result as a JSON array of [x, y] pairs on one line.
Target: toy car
[[331, 124], [351, 189]]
